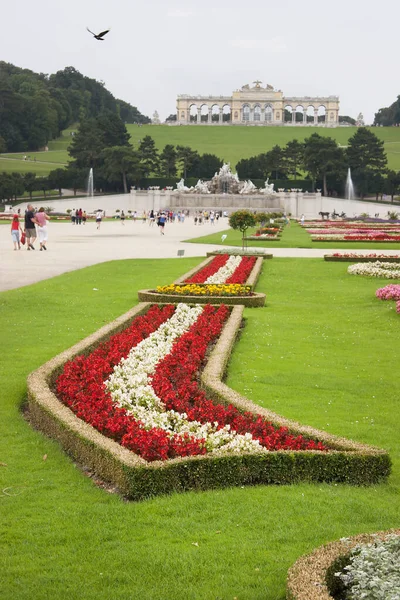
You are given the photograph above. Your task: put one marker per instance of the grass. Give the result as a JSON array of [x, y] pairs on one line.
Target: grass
[[228, 143], [292, 237], [324, 351]]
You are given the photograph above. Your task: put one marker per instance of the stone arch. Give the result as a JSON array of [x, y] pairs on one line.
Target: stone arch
[[322, 114], [245, 112], [300, 112], [193, 113], [310, 113], [288, 113], [257, 113], [268, 113], [215, 113], [204, 110], [226, 113]]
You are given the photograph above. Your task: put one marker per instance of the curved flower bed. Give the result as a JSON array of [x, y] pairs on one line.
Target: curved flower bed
[[311, 576], [377, 269], [353, 256], [368, 237], [390, 292], [192, 289]]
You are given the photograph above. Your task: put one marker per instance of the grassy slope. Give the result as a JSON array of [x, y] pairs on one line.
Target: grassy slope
[[229, 143], [318, 352], [292, 237]]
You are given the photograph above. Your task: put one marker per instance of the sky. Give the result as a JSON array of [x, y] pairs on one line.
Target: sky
[[158, 49]]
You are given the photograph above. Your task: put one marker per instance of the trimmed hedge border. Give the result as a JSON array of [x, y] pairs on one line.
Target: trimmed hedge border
[[366, 259], [307, 578], [348, 462], [240, 253], [254, 301]]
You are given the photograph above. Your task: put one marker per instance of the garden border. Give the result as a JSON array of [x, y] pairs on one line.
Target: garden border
[[254, 301], [331, 258], [306, 579], [349, 461], [240, 253]]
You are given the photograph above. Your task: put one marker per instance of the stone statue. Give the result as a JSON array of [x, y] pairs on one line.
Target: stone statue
[[268, 190], [181, 187], [156, 118], [201, 188], [248, 188], [360, 120]]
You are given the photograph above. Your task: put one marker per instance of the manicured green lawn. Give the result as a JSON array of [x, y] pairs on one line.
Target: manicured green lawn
[[228, 143], [292, 237], [324, 351], [23, 166]]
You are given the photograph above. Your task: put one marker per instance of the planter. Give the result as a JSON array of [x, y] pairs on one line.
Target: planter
[[366, 259], [307, 578]]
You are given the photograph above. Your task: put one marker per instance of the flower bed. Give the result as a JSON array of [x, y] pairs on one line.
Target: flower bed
[[180, 445], [220, 269], [205, 289], [311, 577], [370, 237], [379, 269], [390, 292], [263, 237], [238, 252], [353, 256]]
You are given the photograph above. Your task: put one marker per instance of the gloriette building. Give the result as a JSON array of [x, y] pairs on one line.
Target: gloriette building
[[257, 105]]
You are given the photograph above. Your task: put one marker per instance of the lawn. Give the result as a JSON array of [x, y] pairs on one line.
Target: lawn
[[292, 237], [324, 351], [230, 143]]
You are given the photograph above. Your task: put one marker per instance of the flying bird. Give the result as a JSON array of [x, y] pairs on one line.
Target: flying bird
[[98, 36]]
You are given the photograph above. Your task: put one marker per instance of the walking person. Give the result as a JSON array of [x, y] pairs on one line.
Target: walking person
[[151, 218], [15, 231], [41, 219], [30, 229], [161, 223], [84, 217], [122, 217], [99, 216], [80, 213]]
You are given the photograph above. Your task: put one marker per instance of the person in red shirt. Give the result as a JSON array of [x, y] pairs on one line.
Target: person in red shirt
[[15, 229]]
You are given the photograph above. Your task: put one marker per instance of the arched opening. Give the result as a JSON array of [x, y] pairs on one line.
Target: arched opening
[[193, 113], [268, 113], [226, 113], [215, 113], [257, 113], [204, 113], [299, 114], [310, 114], [246, 112], [322, 114], [288, 114]]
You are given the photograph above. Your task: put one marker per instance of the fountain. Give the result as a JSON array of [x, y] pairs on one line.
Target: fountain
[[89, 191], [349, 189]]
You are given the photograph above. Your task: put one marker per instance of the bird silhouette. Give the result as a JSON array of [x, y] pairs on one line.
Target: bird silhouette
[[98, 36]]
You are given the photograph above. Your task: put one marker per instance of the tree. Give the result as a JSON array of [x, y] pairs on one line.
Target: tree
[[121, 161], [322, 156], [171, 118], [87, 145], [168, 161], [392, 183], [346, 119], [367, 159], [30, 182], [274, 163], [75, 178], [186, 157], [205, 166], [58, 179], [294, 157], [242, 220], [148, 155], [390, 115]]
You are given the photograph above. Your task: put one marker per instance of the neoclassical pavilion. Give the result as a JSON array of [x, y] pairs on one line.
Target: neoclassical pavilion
[[258, 105]]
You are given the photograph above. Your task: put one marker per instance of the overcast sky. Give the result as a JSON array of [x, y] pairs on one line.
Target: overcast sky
[[157, 49]]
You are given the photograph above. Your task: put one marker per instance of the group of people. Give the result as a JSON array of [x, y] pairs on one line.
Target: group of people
[[35, 225], [203, 216], [78, 216]]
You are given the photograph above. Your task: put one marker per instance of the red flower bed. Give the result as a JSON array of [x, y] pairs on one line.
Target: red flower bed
[[243, 271], [210, 269], [175, 383], [81, 387]]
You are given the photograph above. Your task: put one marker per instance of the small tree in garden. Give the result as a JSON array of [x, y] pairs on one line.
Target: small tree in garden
[[242, 220]]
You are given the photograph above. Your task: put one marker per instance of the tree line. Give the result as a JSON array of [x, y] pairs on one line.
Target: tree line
[[36, 107], [326, 164]]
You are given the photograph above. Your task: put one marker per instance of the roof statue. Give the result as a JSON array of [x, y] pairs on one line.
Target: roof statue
[[257, 84]]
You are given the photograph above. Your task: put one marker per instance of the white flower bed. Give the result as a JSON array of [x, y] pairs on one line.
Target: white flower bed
[[130, 387], [374, 571], [226, 271], [376, 269]]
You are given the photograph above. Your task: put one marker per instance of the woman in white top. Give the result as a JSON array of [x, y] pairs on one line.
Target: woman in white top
[[99, 216], [41, 221]]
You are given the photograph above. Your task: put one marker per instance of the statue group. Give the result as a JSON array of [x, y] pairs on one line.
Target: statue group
[[226, 182]]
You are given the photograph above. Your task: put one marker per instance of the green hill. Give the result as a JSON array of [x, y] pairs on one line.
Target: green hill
[[230, 143]]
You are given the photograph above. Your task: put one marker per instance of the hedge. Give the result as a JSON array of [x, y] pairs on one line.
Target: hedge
[[311, 576], [347, 461]]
